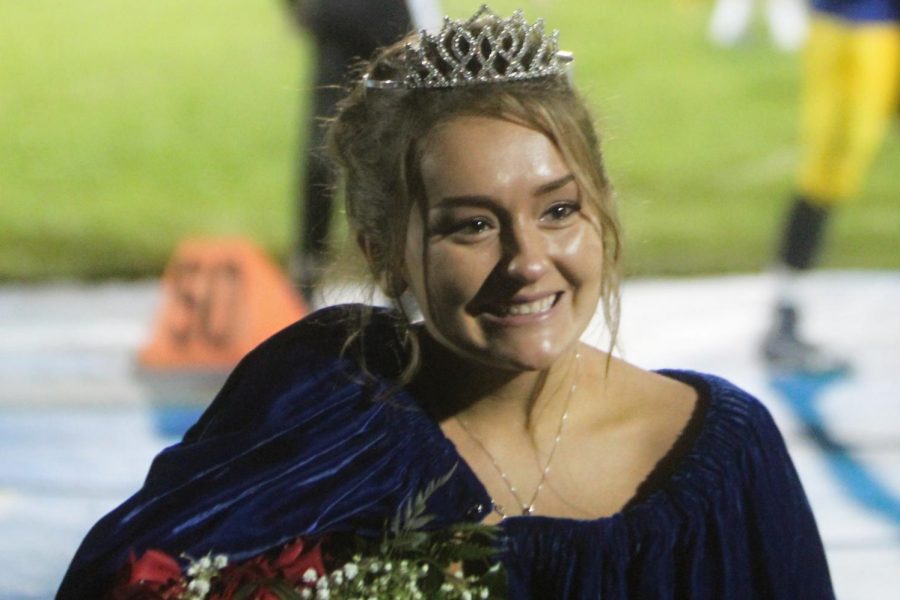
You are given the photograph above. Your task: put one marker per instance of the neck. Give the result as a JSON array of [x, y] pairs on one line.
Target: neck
[[477, 392]]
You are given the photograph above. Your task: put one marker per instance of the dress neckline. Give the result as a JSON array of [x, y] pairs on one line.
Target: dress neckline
[[675, 465]]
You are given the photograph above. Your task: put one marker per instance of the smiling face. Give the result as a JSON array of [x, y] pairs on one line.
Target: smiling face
[[505, 257]]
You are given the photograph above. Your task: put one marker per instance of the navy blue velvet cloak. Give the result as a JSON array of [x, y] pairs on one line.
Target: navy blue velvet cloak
[[300, 443]]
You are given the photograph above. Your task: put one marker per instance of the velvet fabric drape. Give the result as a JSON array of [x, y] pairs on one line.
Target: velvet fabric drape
[[301, 442]]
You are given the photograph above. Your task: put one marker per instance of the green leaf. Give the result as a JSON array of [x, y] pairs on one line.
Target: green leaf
[[414, 508]]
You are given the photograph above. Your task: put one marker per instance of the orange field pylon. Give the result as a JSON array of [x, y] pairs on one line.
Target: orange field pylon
[[221, 298]]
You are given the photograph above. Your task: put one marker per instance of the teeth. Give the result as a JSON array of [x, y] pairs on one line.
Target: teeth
[[530, 308]]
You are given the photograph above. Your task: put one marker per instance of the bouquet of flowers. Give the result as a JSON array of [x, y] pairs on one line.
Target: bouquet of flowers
[[408, 563]]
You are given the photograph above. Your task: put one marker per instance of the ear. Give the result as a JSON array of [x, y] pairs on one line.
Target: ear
[[382, 278]]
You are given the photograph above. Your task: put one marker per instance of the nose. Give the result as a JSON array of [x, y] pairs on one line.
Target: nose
[[527, 253]]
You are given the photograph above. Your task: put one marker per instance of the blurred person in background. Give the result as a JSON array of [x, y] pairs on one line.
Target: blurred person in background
[[787, 21], [852, 83], [343, 32]]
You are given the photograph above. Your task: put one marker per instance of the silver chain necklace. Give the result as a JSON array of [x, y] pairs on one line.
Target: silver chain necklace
[[527, 507]]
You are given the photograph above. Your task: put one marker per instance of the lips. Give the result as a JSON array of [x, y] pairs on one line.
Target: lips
[[524, 307]]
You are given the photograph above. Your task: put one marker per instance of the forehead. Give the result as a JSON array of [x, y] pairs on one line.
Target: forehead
[[487, 156]]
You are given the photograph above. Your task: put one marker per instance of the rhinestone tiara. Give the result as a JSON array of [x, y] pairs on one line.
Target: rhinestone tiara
[[484, 48]]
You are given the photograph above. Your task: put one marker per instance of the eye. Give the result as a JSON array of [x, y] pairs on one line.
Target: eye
[[561, 211], [473, 226], [463, 225]]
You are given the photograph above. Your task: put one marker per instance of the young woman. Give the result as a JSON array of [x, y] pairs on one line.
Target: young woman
[[476, 189]]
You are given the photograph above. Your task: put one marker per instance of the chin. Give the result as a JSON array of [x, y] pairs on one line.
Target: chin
[[519, 353], [527, 360]]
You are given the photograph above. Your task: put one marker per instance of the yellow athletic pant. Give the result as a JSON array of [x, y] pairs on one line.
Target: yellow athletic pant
[[852, 73]]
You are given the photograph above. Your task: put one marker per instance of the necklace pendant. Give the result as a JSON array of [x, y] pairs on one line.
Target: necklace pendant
[[527, 509]]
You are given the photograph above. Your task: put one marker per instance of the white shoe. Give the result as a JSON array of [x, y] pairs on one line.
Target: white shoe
[[784, 352]]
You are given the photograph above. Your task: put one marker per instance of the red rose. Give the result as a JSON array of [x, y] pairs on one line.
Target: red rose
[[154, 566], [234, 577], [153, 576], [295, 560], [288, 566], [157, 576]]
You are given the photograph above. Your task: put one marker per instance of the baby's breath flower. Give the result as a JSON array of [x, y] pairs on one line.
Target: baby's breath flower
[[322, 583], [306, 593], [337, 577], [220, 561], [466, 595], [199, 586], [351, 570], [446, 587], [310, 575], [323, 594]]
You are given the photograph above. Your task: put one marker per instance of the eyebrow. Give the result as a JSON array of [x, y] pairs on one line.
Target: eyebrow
[[551, 186], [486, 201]]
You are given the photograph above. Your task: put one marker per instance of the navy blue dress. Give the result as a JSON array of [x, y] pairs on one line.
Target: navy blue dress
[[300, 442]]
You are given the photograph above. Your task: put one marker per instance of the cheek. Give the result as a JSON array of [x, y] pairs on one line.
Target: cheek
[[582, 251], [438, 279], [452, 278]]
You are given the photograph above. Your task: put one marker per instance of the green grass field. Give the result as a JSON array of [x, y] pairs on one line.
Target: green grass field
[[126, 126]]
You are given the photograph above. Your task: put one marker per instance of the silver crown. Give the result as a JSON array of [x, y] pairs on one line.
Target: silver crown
[[485, 48]]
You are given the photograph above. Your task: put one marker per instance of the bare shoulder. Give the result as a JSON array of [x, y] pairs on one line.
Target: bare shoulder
[[657, 406], [658, 391], [625, 422]]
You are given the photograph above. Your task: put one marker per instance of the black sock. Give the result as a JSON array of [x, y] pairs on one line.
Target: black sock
[[801, 240]]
